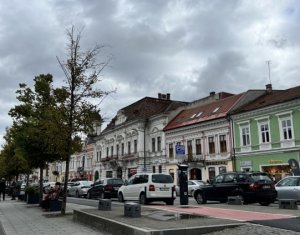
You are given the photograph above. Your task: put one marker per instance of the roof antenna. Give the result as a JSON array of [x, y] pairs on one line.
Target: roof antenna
[[268, 63]]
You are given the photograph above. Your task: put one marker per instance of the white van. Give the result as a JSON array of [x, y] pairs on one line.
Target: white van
[[148, 187]]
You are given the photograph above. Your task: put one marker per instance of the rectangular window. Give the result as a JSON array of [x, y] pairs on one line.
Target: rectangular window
[[107, 151], [223, 146], [211, 144], [112, 150], [122, 149], [153, 144], [135, 146], [159, 169], [245, 136], [171, 151], [129, 147], [97, 156], [198, 146], [189, 148], [153, 169], [264, 131], [287, 129], [118, 150], [158, 143]]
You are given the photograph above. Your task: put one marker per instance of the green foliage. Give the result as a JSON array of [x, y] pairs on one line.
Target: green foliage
[[31, 189]]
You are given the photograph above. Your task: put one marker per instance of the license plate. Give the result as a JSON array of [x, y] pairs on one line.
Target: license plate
[[266, 187], [164, 189]]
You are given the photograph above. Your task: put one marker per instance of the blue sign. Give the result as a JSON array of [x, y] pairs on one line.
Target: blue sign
[[180, 150]]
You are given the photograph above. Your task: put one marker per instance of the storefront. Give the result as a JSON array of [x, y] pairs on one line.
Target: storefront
[[276, 165]]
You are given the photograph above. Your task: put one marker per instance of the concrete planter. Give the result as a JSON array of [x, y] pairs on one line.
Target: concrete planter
[[32, 198]]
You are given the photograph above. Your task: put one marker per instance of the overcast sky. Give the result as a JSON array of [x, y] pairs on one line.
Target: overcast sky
[[186, 48]]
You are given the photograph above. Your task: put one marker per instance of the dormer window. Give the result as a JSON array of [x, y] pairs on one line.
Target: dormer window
[[194, 115], [216, 109], [199, 114]]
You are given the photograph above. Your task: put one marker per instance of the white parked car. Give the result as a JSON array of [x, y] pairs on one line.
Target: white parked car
[[192, 186], [47, 186], [148, 187], [79, 188]]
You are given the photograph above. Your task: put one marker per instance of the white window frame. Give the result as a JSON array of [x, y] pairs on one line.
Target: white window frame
[[247, 147], [260, 122], [286, 143]]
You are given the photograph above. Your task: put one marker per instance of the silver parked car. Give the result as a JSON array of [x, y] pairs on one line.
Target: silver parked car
[[288, 188], [192, 185], [79, 188]]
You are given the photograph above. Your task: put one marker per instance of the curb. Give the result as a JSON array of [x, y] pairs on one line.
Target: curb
[[118, 228]]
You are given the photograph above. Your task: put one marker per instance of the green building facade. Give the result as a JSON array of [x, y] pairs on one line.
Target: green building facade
[[266, 133]]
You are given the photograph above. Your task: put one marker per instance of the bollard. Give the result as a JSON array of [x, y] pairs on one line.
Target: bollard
[[234, 200], [288, 204], [132, 209], [104, 205]]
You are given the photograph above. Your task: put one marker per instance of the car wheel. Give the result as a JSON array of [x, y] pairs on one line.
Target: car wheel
[[170, 202], [200, 199], [120, 197], [265, 203], [77, 194], [143, 199]]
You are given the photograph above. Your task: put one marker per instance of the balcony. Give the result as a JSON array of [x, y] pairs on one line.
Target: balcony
[[195, 158], [128, 157]]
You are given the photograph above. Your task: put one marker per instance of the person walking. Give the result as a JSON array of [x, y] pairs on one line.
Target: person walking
[[13, 190], [2, 188]]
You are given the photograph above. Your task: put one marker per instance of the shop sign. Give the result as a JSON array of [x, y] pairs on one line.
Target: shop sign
[[246, 163], [216, 163], [275, 161]]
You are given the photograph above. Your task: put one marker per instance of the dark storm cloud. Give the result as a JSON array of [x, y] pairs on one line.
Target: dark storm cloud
[[183, 47]]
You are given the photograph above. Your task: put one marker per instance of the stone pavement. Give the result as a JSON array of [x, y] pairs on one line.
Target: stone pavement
[[17, 217]]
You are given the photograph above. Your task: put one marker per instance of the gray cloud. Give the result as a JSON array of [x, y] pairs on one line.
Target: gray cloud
[[183, 47]]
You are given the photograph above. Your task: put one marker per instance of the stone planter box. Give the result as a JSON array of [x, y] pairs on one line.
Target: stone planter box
[[32, 198]]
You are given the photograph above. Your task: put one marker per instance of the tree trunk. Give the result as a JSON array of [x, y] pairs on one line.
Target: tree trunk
[[41, 185]]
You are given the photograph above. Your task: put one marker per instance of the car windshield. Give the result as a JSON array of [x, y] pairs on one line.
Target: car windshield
[[259, 176], [162, 178]]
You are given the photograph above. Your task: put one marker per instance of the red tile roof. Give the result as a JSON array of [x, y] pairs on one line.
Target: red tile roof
[[146, 108], [272, 98], [203, 112]]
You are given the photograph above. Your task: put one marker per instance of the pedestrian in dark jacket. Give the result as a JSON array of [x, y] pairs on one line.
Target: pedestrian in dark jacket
[[2, 188], [13, 190]]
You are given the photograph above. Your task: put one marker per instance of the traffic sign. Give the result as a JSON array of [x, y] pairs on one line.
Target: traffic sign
[[180, 150]]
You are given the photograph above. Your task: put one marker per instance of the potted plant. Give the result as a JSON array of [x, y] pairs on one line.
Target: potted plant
[[32, 194]]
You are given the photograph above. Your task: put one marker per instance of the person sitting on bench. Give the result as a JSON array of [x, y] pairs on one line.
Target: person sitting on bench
[[52, 195]]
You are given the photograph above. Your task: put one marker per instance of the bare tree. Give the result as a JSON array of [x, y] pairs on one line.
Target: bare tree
[[76, 111]]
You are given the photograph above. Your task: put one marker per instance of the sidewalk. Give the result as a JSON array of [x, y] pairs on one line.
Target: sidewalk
[[17, 217]]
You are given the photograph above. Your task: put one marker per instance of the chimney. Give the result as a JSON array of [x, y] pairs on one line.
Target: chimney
[[168, 96], [212, 93], [269, 88]]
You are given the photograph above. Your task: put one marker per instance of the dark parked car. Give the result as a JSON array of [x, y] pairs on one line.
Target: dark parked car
[[105, 188], [252, 187]]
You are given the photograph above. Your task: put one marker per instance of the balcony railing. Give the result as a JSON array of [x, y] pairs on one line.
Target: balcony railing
[[194, 158]]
